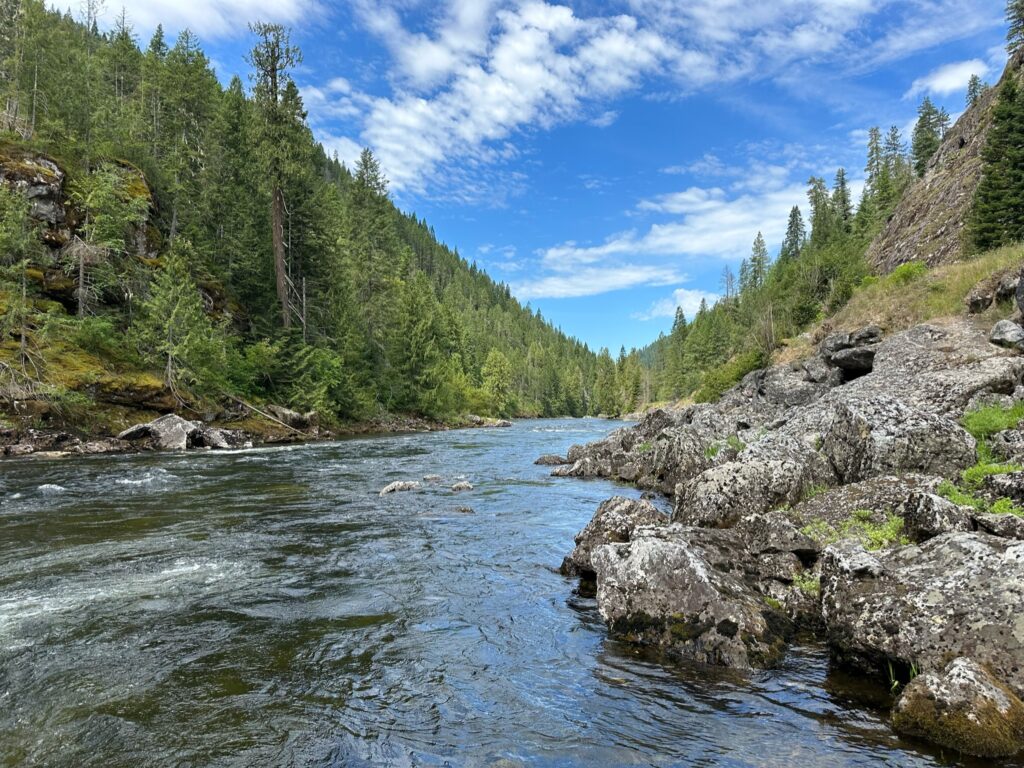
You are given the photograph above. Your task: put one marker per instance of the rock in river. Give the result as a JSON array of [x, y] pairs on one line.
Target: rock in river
[[399, 486], [613, 523]]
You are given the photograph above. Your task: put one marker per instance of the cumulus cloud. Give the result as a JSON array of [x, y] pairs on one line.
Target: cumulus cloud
[[688, 299], [591, 281], [947, 79], [210, 18]]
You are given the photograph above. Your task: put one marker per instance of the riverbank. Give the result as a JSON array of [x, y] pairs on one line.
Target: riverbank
[[872, 494], [267, 425]]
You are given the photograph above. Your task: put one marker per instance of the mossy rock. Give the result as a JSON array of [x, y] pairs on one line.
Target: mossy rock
[[964, 708]]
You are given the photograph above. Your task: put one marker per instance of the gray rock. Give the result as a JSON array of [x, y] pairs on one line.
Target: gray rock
[[432, 479], [1007, 333], [926, 515], [881, 435], [168, 433], [855, 361], [964, 708], [221, 439], [613, 523], [291, 418], [1006, 526], [773, 533], [958, 594], [400, 486], [1009, 485], [1008, 444], [683, 591], [462, 485], [551, 460]]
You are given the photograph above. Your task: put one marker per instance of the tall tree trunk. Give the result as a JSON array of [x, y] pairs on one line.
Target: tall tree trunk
[[280, 269]]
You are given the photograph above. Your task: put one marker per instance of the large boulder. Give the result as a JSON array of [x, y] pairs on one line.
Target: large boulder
[[168, 433], [1007, 333], [964, 708], [613, 523], [683, 591], [881, 435], [958, 594], [926, 515], [773, 473]]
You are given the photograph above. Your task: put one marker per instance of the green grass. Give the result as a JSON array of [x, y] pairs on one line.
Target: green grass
[[859, 527], [964, 498], [734, 442], [645, 447], [807, 583], [912, 294], [986, 422]]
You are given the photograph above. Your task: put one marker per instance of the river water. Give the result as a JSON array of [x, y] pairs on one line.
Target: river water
[[266, 607]]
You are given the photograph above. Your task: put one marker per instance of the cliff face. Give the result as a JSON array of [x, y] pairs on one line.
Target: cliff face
[[928, 224]]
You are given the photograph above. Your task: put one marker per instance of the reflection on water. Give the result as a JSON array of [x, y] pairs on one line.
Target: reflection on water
[[266, 607]]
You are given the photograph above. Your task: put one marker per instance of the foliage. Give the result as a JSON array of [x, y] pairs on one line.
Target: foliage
[[907, 273], [860, 527], [807, 583], [983, 423], [960, 497], [316, 291], [997, 216], [718, 380]]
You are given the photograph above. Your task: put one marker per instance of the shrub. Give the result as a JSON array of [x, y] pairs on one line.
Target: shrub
[[908, 273], [718, 380]]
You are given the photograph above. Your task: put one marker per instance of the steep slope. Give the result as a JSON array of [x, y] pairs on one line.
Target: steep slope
[[928, 224]]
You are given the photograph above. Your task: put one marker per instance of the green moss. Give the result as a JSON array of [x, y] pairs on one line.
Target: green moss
[[734, 442], [712, 450], [773, 603], [985, 732], [645, 447]]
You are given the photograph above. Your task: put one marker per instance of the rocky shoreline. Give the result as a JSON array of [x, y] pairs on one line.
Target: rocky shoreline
[[832, 496], [172, 432]]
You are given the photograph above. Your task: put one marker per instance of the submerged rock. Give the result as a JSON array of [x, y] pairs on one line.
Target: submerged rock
[[399, 486], [963, 707], [613, 523], [462, 485], [551, 460]]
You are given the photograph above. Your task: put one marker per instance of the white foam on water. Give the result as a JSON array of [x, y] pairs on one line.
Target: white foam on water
[[50, 489], [158, 476]]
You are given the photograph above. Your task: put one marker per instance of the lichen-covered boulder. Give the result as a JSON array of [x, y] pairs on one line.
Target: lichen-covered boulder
[[1006, 526], [773, 473], [881, 435], [964, 708], [926, 515], [1008, 444], [613, 523], [958, 594], [683, 590], [1007, 333], [168, 433]]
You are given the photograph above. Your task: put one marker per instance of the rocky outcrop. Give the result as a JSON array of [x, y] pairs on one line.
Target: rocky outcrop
[[614, 523], [958, 594], [684, 591], [928, 223], [964, 708], [551, 460], [41, 181], [1003, 286]]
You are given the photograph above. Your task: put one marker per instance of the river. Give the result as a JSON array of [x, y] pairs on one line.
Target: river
[[266, 607]]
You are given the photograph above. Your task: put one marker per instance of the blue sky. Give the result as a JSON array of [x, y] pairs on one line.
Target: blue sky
[[608, 159]]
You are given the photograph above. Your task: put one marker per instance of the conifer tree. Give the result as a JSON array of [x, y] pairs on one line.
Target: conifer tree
[[1015, 31], [997, 217], [796, 235], [758, 262], [927, 135], [975, 90], [842, 204]]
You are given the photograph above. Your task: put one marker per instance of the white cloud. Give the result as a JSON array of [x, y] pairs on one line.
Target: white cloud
[[209, 18], [591, 281], [472, 76], [688, 299], [948, 79]]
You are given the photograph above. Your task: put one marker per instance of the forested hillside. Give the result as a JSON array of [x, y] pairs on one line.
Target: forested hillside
[[157, 224], [954, 192]]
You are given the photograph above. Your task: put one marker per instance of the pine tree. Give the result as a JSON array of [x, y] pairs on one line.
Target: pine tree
[[1015, 21], [997, 217], [796, 235], [927, 135], [842, 204], [273, 58], [758, 262], [975, 90], [174, 330]]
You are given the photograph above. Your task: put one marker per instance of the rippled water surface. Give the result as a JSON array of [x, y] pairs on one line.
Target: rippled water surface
[[266, 607]]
